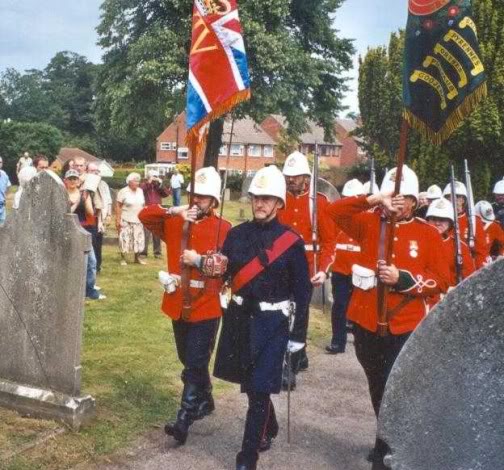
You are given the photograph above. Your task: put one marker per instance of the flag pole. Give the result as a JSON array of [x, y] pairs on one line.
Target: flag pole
[[383, 290]]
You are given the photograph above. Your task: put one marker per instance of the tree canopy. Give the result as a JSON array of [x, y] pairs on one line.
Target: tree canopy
[[480, 139], [296, 62]]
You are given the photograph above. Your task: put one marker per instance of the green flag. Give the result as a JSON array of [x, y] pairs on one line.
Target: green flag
[[444, 77]]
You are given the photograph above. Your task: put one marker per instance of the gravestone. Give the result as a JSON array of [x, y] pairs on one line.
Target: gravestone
[[444, 402], [245, 189], [42, 287]]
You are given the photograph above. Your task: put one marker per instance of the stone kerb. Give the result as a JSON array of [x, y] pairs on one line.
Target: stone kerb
[[444, 402], [42, 286]]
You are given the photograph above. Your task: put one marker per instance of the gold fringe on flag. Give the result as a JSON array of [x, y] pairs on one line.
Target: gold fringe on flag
[[194, 141], [453, 122]]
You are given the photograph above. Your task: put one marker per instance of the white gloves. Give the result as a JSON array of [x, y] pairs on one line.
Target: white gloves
[[294, 346]]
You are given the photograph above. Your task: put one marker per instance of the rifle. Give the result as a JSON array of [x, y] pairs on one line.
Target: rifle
[[372, 177], [458, 249], [314, 216], [471, 217]]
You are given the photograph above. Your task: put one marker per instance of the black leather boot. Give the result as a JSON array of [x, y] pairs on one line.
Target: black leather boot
[[186, 415], [206, 404], [271, 432], [245, 461], [302, 363]]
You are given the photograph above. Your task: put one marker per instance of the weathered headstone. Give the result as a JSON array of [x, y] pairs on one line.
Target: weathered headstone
[[328, 189], [42, 285], [245, 189], [444, 402]]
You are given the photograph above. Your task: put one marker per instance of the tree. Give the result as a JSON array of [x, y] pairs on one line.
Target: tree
[[480, 139], [295, 56], [19, 137]]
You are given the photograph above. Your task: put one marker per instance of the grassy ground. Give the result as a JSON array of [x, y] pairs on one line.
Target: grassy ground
[[129, 366]]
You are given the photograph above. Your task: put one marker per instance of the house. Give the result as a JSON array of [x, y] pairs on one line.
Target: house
[[68, 153], [250, 148], [352, 151], [343, 151]]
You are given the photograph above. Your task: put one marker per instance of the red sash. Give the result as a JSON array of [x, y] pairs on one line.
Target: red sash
[[254, 267]]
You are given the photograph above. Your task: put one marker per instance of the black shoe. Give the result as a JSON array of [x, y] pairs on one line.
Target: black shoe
[[179, 430], [265, 443], [303, 361], [288, 379], [186, 415], [334, 349], [246, 462]]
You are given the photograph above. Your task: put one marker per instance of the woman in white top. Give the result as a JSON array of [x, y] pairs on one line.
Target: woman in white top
[[130, 201]]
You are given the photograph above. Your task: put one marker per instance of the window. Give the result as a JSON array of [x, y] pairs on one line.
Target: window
[[183, 153], [254, 150], [268, 151], [223, 150], [236, 150], [164, 146]]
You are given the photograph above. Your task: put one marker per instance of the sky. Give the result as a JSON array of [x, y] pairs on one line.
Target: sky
[[32, 32]]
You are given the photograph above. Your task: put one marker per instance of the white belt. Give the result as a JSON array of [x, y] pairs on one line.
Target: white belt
[[284, 305], [309, 247], [197, 284], [348, 247]]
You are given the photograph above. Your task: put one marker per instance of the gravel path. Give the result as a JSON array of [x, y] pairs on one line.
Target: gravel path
[[333, 427]]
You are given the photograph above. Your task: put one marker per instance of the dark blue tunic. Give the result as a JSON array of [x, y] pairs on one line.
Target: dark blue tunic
[[253, 342]]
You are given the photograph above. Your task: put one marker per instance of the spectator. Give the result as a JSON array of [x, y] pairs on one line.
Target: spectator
[[5, 184], [130, 201], [41, 163], [80, 165], [24, 177], [81, 204], [176, 182], [68, 165], [105, 213], [153, 193], [24, 161]]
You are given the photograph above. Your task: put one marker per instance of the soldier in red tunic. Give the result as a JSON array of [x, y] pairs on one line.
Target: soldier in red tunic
[[297, 214], [194, 333], [493, 230], [480, 249], [441, 216], [416, 273], [347, 254]]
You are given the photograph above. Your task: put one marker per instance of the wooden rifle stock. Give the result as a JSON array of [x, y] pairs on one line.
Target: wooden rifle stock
[[458, 249]]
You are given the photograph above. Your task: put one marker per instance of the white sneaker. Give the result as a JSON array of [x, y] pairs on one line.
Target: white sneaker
[[97, 288], [101, 297]]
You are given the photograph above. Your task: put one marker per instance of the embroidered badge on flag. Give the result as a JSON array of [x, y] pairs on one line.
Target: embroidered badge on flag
[[218, 69], [444, 76]]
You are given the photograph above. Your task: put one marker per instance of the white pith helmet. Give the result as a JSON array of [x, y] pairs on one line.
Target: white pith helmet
[[499, 187], [434, 192], [367, 188], [269, 181], [485, 210], [409, 183], [25, 175], [353, 188], [460, 189], [207, 183], [441, 208], [296, 164]]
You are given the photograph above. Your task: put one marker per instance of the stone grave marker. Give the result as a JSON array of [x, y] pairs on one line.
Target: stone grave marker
[[444, 402], [42, 287]]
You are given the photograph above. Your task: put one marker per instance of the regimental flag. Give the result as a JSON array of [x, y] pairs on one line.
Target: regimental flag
[[218, 68], [444, 77]]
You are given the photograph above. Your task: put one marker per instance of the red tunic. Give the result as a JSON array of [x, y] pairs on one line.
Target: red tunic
[[297, 214], [494, 235], [416, 251], [481, 248], [347, 254], [448, 257], [204, 291]]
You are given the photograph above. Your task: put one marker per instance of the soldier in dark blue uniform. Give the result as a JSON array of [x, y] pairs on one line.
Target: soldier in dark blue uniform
[[269, 278]]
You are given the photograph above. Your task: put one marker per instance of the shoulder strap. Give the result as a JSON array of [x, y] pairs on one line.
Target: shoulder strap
[[254, 267]]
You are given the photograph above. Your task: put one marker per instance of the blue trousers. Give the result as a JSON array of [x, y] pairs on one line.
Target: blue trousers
[[91, 292], [195, 343], [342, 291], [3, 214], [176, 196]]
